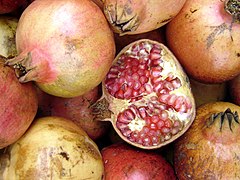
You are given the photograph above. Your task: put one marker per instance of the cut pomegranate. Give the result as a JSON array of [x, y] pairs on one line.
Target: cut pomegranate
[[146, 95]]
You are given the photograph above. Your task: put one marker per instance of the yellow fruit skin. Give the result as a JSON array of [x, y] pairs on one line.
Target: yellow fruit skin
[[53, 148]]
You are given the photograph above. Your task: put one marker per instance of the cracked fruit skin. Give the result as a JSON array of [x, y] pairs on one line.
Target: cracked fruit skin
[[146, 96], [204, 36], [210, 149], [140, 16], [52, 148]]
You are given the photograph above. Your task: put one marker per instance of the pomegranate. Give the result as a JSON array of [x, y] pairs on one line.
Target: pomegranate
[[9, 6], [125, 162], [146, 96], [8, 26], [204, 36], [78, 110], [18, 106], [234, 90], [205, 93], [210, 149], [140, 16], [52, 148], [65, 46]]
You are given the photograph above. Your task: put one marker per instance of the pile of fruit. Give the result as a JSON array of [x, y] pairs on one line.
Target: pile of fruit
[[119, 89]]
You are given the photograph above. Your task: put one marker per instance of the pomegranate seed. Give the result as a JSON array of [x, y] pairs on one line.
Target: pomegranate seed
[[142, 112], [143, 79], [129, 114], [169, 86], [136, 85], [148, 88], [128, 93], [176, 83], [157, 87], [160, 124], [153, 126], [156, 71], [172, 98], [163, 115]]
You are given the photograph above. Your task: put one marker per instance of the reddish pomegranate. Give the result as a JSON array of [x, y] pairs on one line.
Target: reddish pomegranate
[[140, 16], [18, 106], [9, 6], [146, 96], [78, 110], [73, 54], [234, 90], [210, 149], [125, 162], [204, 36]]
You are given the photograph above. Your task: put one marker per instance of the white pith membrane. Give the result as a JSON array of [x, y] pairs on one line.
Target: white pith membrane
[[150, 96]]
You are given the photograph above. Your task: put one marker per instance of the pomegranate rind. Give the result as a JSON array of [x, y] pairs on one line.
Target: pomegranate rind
[[209, 150]]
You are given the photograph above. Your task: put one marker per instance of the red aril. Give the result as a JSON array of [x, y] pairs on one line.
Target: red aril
[[18, 106], [65, 46], [146, 96]]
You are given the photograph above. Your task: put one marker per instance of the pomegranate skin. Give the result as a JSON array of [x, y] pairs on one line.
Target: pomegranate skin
[[140, 16], [205, 39], [65, 47], [52, 148], [210, 149], [78, 110], [125, 162], [18, 106]]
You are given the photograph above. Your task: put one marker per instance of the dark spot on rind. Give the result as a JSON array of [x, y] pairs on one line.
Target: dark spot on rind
[[64, 155]]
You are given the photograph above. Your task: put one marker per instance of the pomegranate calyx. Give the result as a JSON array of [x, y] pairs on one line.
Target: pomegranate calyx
[[123, 20], [100, 110], [233, 8], [227, 115]]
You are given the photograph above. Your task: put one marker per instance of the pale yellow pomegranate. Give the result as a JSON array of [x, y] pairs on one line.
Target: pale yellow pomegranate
[[53, 148]]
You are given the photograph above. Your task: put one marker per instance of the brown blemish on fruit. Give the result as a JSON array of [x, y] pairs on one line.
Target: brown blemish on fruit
[[64, 155], [217, 30]]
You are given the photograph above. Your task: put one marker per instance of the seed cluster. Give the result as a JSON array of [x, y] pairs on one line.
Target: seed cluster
[[137, 77]]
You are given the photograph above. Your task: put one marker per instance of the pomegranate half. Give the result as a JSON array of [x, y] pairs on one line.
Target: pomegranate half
[[146, 95]]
